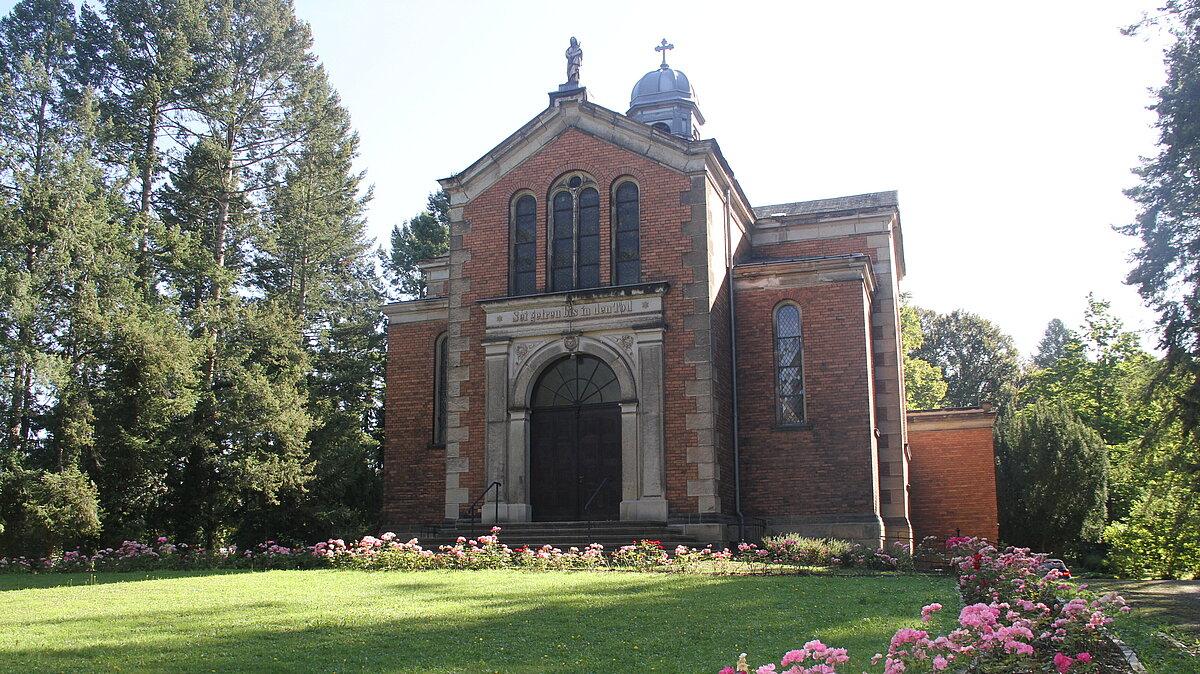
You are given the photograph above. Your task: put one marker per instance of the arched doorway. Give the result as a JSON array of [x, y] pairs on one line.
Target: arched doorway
[[575, 442]]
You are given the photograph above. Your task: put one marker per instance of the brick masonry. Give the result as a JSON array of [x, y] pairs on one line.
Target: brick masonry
[[953, 473], [412, 464], [845, 470]]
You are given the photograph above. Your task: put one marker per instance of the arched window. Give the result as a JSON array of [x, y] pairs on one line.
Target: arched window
[[440, 395], [575, 381], [523, 262], [627, 260], [789, 365], [574, 234]]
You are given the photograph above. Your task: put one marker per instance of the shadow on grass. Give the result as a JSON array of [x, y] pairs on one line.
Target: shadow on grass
[[29, 581], [491, 622]]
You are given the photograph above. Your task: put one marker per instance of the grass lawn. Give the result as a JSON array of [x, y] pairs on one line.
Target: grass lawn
[[446, 621]]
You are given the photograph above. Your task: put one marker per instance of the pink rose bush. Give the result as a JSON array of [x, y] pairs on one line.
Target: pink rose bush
[[802, 551], [383, 553], [812, 658], [1019, 617]]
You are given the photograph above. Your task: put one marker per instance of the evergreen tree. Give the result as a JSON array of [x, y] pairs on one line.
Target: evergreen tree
[[1054, 345], [425, 236], [317, 261], [1051, 475]]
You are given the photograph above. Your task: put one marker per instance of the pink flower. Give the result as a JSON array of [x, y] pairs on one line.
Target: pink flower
[[726, 670], [928, 611], [793, 656], [765, 669], [815, 646], [1062, 662], [1084, 657], [940, 663]]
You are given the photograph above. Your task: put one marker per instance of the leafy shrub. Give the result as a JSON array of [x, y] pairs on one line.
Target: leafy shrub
[[804, 551]]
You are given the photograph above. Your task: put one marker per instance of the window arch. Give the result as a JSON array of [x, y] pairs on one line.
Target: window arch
[[523, 247], [574, 233], [441, 362], [627, 258], [789, 365]]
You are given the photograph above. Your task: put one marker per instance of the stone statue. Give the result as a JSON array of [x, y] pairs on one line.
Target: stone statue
[[574, 61]]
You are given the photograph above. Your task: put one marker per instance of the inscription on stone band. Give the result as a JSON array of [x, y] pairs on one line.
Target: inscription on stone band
[[523, 316]]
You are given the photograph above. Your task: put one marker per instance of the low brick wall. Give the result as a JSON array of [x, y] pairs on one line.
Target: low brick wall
[[952, 473]]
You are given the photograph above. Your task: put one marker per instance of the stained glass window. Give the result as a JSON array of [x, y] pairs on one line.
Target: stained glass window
[[524, 246], [789, 365], [440, 395], [626, 253]]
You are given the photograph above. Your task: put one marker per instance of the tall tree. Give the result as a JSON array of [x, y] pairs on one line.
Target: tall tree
[[924, 386], [977, 359], [1054, 344], [316, 259], [1167, 263], [425, 236], [141, 55]]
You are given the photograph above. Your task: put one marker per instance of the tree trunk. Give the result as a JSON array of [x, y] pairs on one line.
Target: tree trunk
[[149, 161]]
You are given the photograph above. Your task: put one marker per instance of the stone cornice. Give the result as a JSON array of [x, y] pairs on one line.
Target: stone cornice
[[804, 271], [575, 311], [951, 419], [416, 311]]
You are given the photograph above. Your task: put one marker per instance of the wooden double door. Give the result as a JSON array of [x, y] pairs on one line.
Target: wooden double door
[[575, 442]]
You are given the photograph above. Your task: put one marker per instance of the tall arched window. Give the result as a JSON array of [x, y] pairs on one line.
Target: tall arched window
[[627, 259], [440, 395], [523, 261], [574, 234], [789, 365]]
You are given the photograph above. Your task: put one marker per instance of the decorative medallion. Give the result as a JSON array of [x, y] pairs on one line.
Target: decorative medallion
[[571, 341], [523, 350], [626, 343]]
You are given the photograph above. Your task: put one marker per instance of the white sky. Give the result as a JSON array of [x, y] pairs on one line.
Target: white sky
[[1009, 129]]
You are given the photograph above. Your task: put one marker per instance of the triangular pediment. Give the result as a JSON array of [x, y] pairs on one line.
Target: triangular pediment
[[688, 157]]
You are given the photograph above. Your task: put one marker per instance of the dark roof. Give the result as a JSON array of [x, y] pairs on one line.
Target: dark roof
[[856, 202]]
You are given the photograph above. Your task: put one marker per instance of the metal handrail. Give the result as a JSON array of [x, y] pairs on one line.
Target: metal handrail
[[480, 500], [587, 504]]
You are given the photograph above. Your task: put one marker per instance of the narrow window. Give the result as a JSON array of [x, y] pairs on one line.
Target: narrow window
[[562, 251], [588, 272], [626, 251], [440, 395], [524, 246], [789, 365]]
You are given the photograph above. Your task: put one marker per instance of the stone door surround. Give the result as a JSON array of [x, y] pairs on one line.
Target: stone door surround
[[623, 326]]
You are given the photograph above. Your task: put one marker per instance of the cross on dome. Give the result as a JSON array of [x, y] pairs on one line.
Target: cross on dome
[[663, 48]]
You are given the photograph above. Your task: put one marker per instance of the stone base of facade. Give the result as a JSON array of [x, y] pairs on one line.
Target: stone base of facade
[[505, 512], [866, 529], [644, 510]]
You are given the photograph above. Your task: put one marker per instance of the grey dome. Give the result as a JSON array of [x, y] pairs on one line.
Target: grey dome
[[661, 85]]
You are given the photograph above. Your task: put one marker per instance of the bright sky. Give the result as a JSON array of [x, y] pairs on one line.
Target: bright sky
[[1009, 129]]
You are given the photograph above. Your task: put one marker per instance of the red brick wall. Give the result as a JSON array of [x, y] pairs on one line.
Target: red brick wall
[[663, 249], [413, 469], [821, 470], [952, 474]]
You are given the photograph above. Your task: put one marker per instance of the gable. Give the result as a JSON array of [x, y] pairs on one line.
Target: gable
[[683, 156]]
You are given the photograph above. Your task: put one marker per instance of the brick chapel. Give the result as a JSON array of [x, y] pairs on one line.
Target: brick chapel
[[620, 335]]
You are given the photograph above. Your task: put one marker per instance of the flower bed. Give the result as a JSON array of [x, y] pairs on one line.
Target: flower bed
[[384, 553], [1017, 618]]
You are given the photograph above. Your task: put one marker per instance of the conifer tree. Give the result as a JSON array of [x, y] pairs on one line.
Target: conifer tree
[[425, 236]]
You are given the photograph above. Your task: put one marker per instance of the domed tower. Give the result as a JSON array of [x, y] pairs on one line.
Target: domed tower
[[664, 99]]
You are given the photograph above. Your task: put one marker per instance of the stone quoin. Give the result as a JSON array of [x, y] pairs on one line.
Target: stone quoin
[[618, 334]]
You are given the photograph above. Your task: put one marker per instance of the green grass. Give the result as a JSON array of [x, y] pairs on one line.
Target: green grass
[[1143, 633], [477, 621]]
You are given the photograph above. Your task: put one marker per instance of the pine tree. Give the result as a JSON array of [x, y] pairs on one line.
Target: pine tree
[[425, 236], [1054, 344], [316, 261]]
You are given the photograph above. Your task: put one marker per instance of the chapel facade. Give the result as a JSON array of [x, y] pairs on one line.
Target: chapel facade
[[619, 335]]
